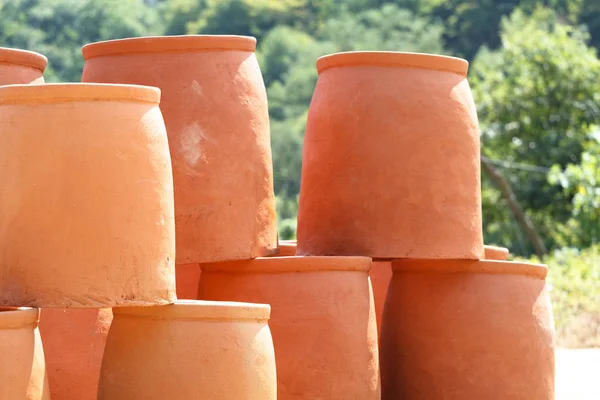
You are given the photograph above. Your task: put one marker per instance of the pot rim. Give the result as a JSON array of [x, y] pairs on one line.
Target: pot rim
[[23, 57], [166, 44], [70, 92], [292, 264], [433, 62], [18, 317], [200, 310], [495, 267], [495, 252]]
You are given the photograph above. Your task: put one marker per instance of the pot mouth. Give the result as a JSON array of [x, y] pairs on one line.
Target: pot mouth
[[200, 310], [70, 92], [23, 57], [166, 44], [495, 253], [431, 62], [291, 264], [18, 317], [497, 267]]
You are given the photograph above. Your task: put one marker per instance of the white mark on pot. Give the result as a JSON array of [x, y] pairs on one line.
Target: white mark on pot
[[196, 88], [190, 143]]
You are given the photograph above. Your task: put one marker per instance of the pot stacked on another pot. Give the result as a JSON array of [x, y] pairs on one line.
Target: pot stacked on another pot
[[391, 170], [215, 111]]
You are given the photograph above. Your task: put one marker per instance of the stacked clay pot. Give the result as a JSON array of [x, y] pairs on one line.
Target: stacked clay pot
[[390, 166], [467, 329], [323, 320], [391, 170], [22, 370], [21, 67], [74, 340], [215, 109], [188, 350]]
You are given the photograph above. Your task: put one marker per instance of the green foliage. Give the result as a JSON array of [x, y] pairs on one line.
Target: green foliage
[[538, 97]]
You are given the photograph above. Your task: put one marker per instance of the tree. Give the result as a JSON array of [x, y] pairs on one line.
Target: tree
[[538, 98]]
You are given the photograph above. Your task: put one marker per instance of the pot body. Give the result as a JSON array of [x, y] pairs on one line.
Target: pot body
[[74, 342], [189, 350], [86, 203], [188, 278], [21, 67], [22, 370], [215, 108], [381, 275], [390, 166], [467, 330], [323, 321]]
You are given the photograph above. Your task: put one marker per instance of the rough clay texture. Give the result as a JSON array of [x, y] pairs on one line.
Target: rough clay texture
[[188, 278], [381, 275], [187, 357], [322, 320], [74, 342], [22, 369], [21, 67], [462, 330], [215, 108], [390, 165], [86, 201]]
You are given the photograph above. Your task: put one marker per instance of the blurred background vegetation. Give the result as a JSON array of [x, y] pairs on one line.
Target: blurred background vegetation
[[534, 72]]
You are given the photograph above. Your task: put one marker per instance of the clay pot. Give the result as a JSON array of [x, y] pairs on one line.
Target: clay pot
[[187, 277], [495, 253], [21, 67], [86, 202], [461, 329], [390, 165], [22, 369], [74, 343], [381, 275], [322, 319], [215, 107], [189, 350]]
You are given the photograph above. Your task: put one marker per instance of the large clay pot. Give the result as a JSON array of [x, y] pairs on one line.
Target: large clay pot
[[86, 201], [495, 253], [189, 350], [21, 67], [381, 275], [322, 319], [73, 344], [390, 167], [22, 368], [187, 277], [215, 107], [461, 330]]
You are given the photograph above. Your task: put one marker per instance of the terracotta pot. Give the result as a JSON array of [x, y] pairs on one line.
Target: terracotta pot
[[496, 253], [390, 167], [460, 329], [215, 107], [74, 343], [381, 275], [287, 248], [323, 321], [86, 202], [22, 370], [188, 278], [189, 350], [21, 67]]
